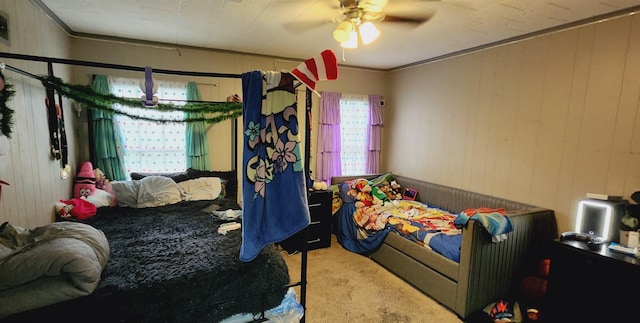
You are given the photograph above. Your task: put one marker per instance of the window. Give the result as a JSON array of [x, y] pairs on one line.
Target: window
[[354, 122], [151, 146]]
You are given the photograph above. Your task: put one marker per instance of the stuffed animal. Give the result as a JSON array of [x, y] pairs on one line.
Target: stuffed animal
[[361, 185], [320, 186], [361, 190], [379, 197], [63, 209], [396, 187], [85, 181], [389, 190], [101, 179], [363, 199], [79, 208]]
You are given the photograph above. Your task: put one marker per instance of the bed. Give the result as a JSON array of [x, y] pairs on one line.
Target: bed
[[367, 209], [371, 208], [167, 262], [475, 252], [186, 292]]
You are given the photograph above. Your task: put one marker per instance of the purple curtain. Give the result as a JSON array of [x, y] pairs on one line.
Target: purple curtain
[[375, 128], [329, 140]]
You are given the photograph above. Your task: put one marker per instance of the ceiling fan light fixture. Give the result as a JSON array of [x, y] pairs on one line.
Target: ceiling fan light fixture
[[352, 42], [342, 33], [368, 32]]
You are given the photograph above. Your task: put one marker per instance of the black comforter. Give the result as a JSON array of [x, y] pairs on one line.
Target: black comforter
[[169, 264]]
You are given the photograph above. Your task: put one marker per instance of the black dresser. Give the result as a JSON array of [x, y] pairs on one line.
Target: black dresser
[[591, 285], [318, 233]]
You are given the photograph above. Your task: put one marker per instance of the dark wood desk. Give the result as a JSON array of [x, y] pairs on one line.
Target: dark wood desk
[[592, 285]]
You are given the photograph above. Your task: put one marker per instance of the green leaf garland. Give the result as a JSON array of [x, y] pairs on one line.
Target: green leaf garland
[[91, 99]]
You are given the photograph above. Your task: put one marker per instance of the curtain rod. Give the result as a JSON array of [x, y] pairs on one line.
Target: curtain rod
[[113, 66]]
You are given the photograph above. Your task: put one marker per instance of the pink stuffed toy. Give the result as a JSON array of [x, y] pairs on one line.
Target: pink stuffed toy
[[85, 182]]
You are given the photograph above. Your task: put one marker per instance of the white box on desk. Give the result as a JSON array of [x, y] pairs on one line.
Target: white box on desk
[[630, 239]]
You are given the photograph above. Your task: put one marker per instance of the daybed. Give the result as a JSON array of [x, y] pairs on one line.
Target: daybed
[[167, 262], [486, 271]]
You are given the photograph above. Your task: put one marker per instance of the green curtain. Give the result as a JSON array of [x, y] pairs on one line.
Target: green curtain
[[196, 133], [105, 142]]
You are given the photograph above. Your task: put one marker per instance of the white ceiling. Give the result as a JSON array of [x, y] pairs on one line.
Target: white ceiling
[[301, 29]]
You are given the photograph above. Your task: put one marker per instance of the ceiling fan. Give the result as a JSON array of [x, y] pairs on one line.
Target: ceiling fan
[[356, 24]]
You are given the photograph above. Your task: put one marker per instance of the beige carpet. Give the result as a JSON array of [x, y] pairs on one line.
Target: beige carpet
[[343, 286]]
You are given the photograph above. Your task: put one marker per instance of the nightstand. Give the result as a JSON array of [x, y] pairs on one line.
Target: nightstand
[[591, 285], [318, 233]]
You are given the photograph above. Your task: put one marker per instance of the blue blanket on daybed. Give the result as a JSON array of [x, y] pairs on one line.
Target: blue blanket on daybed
[[363, 229]]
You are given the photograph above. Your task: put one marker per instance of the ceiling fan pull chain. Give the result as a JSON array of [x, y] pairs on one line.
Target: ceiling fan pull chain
[[343, 58]]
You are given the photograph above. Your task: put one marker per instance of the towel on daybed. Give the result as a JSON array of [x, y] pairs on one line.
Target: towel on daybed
[[495, 221], [49, 264]]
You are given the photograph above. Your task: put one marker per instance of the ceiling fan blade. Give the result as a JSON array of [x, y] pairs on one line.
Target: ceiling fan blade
[[415, 20]]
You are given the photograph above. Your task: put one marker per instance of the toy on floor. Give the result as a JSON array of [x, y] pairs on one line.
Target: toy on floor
[[85, 181]]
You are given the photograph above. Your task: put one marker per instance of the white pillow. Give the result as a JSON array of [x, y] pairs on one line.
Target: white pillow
[[100, 198], [126, 192], [158, 191], [203, 188]]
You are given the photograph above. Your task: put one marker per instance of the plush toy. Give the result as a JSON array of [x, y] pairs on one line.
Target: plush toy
[[79, 208], [85, 181], [362, 185], [389, 190], [363, 199], [320, 186], [101, 180], [361, 190], [63, 209], [378, 195], [395, 186]]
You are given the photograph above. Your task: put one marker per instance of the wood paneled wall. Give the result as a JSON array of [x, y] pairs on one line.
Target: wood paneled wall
[[27, 165], [541, 121]]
